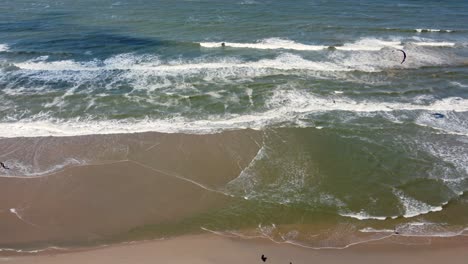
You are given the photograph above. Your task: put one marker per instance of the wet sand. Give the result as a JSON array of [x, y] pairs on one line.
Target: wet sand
[[143, 186], [207, 249], [129, 181]]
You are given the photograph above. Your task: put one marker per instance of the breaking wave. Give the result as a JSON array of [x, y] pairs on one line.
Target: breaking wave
[[365, 44], [425, 30], [285, 107], [4, 47]]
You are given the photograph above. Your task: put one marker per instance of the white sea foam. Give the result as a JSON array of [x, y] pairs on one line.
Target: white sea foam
[[365, 44], [285, 106], [372, 230], [459, 84], [282, 62], [4, 47], [271, 43], [414, 207], [421, 30], [370, 44], [363, 216], [450, 124], [429, 229], [139, 69], [420, 229], [434, 44], [18, 169]]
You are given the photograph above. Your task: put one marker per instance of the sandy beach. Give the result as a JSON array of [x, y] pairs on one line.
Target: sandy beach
[[208, 249]]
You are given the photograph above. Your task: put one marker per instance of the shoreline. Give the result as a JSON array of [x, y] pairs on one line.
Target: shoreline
[[200, 249], [148, 186]]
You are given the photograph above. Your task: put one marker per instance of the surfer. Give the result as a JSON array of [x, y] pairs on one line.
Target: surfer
[[3, 166], [438, 115], [404, 56], [223, 44]]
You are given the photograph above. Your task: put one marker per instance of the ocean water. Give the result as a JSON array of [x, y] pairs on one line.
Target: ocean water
[[352, 135]]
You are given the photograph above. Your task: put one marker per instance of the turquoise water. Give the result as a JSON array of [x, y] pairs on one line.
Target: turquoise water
[[356, 133]]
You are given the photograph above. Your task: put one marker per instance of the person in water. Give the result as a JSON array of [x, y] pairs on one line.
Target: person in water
[[223, 44]]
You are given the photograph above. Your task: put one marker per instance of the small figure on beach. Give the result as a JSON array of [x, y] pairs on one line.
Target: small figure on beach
[[3, 166], [263, 258]]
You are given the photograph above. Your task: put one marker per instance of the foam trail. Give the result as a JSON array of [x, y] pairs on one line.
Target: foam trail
[[15, 212], [17, 169], [294, 243], [271, 43], [180, 178], [363, 216], [428, 229], [372, 230]]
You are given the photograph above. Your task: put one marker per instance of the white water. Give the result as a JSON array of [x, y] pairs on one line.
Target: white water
[[271, 43], [421, 30], [285, 106], [4, 47], [365, 44]]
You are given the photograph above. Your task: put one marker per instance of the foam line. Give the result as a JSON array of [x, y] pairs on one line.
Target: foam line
[[271, 43], [365, 44], [179, 177], [15, 212], [364, 216], [286, 106], [435, 44], [282, 62], [414, 207], [263, 236], [422, 30]]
